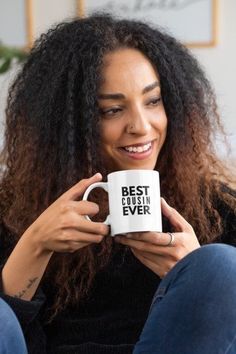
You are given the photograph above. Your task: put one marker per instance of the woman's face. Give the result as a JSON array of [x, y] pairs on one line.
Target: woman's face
[[133, 118]]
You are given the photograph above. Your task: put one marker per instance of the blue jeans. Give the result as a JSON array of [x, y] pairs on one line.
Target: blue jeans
[[11, 337], [194, 308]]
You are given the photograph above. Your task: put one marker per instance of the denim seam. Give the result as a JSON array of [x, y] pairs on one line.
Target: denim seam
[[230, 345], [164, 289], [160, 293]]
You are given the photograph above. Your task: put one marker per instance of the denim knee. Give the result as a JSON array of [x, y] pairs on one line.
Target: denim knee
[[7, 316], [193, 310], [214, 259], [210, 266], [11, 336]]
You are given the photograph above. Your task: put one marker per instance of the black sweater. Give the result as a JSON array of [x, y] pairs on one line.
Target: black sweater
[[110, 320]]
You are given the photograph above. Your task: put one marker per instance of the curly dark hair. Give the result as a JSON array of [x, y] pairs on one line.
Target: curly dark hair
[[52, 134]]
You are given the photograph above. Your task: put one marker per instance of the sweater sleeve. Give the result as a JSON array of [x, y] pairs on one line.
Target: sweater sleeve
[[27, 312]]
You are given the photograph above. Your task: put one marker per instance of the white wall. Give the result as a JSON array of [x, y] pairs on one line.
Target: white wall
[[5, 79], [219, 63]]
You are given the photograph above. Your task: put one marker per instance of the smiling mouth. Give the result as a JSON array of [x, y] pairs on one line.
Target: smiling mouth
[[138, 151]]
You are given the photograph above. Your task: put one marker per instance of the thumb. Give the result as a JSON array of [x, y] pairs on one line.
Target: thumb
[[79, 188], [177, 220]]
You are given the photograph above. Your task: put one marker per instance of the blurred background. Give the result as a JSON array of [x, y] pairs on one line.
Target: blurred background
[[207, 27]]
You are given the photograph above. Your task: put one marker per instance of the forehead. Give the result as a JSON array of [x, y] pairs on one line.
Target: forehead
[[127, 64]]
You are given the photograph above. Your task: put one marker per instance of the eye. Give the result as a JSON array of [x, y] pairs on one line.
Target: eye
[[110, 112], [154, 101]]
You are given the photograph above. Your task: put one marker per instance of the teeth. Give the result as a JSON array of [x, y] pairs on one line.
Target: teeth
[[138, 149]]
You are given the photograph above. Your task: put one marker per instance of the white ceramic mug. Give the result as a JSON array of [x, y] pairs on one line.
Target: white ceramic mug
[[134, 201]]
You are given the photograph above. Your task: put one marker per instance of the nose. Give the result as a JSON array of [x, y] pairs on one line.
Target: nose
[[138, 122]]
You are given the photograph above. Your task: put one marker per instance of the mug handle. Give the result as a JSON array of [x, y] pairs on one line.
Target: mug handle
[[103, 185]]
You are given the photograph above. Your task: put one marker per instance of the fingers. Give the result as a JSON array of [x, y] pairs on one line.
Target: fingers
[[141, 242], [73, 241], [139, 245], [80, 239], [94, 227], [79, 188], [72, 217], [156, 238], [179, 223], [81, 224], [157, 267], [85, 207]]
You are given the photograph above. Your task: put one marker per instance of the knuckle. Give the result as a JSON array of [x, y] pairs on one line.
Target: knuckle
[[73, 223], [63, 235], [177, 255], [102, 229], [141, 246], [66, 236], [65, 207], [156, 239], [173, 211], [64, 224], [83, 182], [94, 207], [190, 228], [69, 248], [73, 246], [89, 206]]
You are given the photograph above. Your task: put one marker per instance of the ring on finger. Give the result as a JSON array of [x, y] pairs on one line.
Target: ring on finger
[[172, 239]]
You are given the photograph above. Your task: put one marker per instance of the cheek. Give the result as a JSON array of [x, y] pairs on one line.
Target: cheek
[[163, 121], [110, 133], [160, 124], [164, 124], [107, 137]]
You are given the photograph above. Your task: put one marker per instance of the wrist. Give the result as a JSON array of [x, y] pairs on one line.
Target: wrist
[[35, 244]]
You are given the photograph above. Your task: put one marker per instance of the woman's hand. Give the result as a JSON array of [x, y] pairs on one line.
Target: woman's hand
[[62, 227], [161, 251]]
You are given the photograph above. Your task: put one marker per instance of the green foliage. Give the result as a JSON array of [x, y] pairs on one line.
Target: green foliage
[[8, 54]]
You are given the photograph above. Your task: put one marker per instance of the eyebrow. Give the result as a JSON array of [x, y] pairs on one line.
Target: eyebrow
[[119, 96]]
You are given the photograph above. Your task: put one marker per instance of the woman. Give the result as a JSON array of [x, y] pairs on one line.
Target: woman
[[100, 95]]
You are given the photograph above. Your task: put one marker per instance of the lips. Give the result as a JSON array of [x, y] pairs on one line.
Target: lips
[[138, 148], [138, 151]]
